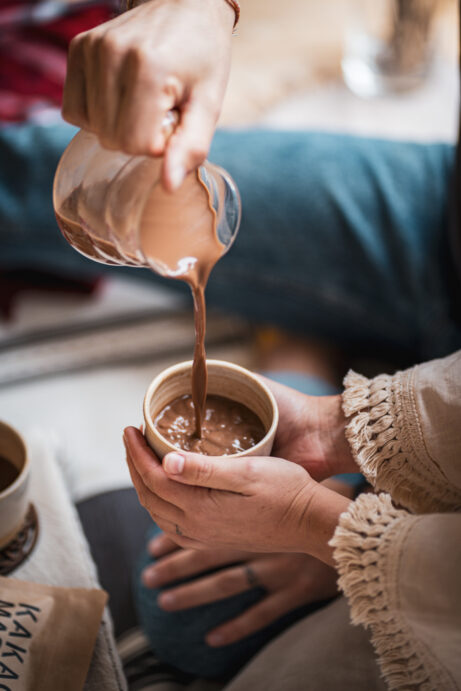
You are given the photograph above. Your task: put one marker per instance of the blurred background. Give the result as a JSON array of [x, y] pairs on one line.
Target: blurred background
[[292, 60], [77, 354]]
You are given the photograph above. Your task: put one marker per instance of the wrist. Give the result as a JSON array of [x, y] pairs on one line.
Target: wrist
[[235, 6], [224, 13], [332, 430], [228, 9], [322, 517]]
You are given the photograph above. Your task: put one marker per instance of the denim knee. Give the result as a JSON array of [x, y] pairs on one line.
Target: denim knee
[[178, 638]]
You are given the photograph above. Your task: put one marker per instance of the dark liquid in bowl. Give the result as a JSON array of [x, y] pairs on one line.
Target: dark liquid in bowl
[[8, 473], [228, 427]]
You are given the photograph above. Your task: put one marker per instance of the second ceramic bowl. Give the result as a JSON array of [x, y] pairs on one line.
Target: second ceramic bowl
[[14, 499]]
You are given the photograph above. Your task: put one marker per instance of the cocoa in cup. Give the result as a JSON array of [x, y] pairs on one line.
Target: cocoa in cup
[[225, 380]]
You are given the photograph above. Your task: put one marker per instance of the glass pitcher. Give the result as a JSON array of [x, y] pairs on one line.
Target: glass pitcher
[[112, 207]]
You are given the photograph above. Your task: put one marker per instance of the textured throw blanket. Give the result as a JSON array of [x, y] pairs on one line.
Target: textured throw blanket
[[61, 556]]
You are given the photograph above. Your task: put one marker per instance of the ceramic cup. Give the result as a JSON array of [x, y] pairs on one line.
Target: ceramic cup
[[224, 379], [14, 500]]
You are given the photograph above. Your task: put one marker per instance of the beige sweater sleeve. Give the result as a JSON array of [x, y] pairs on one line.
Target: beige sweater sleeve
[[405, 433], [401, 567], [401, 574]]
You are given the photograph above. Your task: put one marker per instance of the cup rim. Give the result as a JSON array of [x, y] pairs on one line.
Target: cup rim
[[25, 468], [184, 366]]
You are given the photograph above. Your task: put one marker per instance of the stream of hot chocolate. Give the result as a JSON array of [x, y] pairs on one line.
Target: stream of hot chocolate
[[186, 246], [199, 369], [177, 237]]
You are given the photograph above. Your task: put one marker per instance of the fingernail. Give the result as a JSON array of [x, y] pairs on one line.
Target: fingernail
[[174, 463], [177, 175], [215, 639], [165, 600], [149, 578]]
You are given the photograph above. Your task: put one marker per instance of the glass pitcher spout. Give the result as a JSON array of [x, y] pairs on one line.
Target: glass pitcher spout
[[112, 208]]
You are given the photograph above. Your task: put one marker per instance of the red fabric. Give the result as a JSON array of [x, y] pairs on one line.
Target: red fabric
[[33, 52], [15, 282]]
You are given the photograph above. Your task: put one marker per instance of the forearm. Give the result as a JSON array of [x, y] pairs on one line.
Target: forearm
[[321, 520], [331, 432]]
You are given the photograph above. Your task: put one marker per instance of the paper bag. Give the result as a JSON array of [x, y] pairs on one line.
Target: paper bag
[[47, 635]]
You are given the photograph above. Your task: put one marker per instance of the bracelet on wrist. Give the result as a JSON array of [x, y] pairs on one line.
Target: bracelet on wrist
[[233, 3], [236, 7]]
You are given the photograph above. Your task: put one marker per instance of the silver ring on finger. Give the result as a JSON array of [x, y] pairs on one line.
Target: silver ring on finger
[[251, 577]]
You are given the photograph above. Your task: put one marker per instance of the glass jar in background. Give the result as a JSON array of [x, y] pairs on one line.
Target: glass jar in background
[[387, 47]]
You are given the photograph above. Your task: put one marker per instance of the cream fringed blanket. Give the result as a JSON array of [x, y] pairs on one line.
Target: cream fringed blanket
[[61, 556]]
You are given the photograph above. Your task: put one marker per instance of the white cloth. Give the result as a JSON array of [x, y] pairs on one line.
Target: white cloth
[[61, 556]]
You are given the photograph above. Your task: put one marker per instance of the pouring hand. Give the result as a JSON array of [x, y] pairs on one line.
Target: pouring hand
[[125, 75]]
